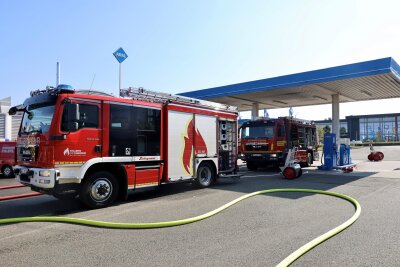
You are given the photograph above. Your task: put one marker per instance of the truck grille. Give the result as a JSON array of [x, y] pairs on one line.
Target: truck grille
[[257, 147], [28, 153]]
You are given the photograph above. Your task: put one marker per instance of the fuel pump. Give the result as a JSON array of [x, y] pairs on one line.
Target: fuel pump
[[344, 158], [330, 152]]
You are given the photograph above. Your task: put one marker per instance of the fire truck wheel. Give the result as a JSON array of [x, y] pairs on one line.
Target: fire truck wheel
[[99, 190], [205, 175], [251, 166], [7, 171]]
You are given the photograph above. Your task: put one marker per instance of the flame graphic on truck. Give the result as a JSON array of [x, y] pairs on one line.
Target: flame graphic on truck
[[188, 139]]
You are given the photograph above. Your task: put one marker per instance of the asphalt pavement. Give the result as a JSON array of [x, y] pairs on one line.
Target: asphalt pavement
[[260, 231]]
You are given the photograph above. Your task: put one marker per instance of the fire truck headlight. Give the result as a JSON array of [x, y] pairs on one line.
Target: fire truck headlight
[[44, 173], [273, 155]]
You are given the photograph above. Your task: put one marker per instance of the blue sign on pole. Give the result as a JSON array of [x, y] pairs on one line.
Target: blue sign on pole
[[120, 55]]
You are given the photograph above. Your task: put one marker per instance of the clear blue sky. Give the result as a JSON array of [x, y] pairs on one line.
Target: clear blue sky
[[178, 46]]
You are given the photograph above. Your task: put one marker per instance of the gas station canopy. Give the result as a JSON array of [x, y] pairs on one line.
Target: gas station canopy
[[369, 80]]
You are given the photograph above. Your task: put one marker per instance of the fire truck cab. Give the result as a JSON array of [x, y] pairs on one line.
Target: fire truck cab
[[266, 141], [98, 146]]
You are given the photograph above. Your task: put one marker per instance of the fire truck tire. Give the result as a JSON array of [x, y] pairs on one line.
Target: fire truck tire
[[251, 166], [99, 190], [205, 175], [275, 166], [7, 171]]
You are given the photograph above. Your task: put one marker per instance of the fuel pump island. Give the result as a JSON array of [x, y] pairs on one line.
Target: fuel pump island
[[334, 157]]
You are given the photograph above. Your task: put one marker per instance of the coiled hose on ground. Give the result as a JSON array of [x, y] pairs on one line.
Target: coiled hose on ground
[[286, 262]]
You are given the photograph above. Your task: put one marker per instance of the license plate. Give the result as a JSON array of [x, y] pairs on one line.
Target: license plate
[[26, 152], [256, 155], [25, 178]]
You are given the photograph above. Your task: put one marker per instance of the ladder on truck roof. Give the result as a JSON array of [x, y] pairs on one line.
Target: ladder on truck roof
[[157, 97], [299, 121]]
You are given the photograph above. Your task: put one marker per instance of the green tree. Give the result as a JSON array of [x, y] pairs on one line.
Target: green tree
[[327, 129], [321, 134]]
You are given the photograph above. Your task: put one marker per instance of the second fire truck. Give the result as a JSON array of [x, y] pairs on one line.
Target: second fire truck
[[266, 141], [7, 158], [98, 146]]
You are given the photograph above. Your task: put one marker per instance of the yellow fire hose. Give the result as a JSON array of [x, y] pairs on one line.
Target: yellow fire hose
[[286, 262]]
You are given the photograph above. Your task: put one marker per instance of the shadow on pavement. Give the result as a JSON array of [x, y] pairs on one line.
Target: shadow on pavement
[[311, 179]]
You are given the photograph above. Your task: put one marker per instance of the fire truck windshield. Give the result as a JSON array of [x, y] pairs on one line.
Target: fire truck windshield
[[37, 119], [258, 131]]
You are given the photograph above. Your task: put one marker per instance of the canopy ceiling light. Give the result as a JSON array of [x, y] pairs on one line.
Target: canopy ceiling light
[[280, 102], [320, 97], [366, 93]]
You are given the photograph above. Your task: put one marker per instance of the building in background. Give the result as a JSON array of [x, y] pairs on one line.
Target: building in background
[[9, 125], [326, 125], [366, 128]]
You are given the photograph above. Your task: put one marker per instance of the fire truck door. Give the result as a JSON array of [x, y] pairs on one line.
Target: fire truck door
[[122, 131], [83, 138], [134, 131]]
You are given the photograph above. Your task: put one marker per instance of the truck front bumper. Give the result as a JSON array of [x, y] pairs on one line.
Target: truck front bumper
[[262, 157], [36, 177]]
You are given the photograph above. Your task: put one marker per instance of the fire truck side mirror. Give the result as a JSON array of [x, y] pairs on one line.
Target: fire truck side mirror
[[15, 109], [12, 111], [73, 126]]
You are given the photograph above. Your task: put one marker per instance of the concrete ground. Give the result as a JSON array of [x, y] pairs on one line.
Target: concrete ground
[[260, 231]]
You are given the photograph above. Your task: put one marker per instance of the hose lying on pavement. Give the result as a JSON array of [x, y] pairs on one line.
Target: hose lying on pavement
[[286, 262]]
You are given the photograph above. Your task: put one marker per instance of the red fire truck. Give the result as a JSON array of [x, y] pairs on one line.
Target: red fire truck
[[7, 158], [266, 141], [98, 146]]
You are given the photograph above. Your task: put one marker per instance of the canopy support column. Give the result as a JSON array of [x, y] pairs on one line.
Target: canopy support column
[[254, 111], [8, 127], [336, 117]]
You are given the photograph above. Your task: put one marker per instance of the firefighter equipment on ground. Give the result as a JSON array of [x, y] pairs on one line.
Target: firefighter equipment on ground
[[291, 169], [375, 155]]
